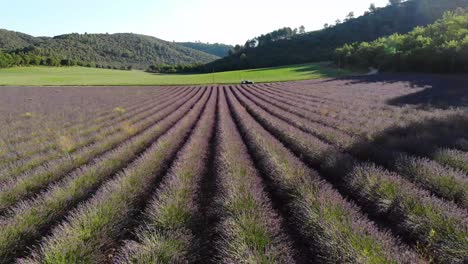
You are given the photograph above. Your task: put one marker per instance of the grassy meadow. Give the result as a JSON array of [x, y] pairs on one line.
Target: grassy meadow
[[81, 76]]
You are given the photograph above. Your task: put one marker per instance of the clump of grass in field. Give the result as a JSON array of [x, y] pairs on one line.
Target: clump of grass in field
[[120, 110], [325, 112], [128, 128], [66, 143], [28, 115]]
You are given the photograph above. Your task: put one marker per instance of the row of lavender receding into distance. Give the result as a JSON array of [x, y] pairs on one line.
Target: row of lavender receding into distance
[[354, 170]]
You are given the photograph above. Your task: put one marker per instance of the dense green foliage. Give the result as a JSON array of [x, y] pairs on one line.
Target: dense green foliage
[[440, 47], [279, 34], [216, 49], [95, 50], [320, 45]]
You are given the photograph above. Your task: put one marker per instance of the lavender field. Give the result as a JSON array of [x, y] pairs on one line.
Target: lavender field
[[370, 169]]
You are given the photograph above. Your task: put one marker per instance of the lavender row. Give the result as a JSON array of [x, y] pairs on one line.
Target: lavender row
[[329, 99], [251, 230], [166, 236], [93, 229], [401, 115], [334, 228], [68, 145], [50, 139], [26, 222], [324, 114], [438, 229], [445, 130], [75, 117], [442, 130], [355, 95], [68, 140], [444, 182], [331, 116], [28, 184]]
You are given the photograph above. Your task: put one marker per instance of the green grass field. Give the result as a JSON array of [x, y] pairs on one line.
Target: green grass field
[[45, 76]]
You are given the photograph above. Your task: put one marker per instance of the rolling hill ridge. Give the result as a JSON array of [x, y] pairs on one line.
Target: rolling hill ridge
[[108, 50]]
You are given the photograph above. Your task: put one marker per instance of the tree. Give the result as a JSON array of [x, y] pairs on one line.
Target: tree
[[251, 43], [395, 2], [52, 61], [349, 16], [338, 21], [302, 30], [5, 60], [238, 49], [326, 25], [35, 60], [372, 8], [280, 34]]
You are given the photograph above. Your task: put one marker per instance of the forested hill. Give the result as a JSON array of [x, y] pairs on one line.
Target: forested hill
[[320, 45], [217, 49], [107, 50], [14, 40]]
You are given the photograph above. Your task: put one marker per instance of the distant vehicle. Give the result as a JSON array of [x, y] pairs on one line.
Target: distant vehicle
[[373, 71], [247, 82]]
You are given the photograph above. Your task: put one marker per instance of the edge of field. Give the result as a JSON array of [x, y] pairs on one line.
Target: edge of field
[[82, 76]]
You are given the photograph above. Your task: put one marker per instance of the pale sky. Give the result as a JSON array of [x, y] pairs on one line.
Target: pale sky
[[231, 22]]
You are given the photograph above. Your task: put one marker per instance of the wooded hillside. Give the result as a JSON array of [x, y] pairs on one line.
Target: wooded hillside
[[320, 45], [101, 50]]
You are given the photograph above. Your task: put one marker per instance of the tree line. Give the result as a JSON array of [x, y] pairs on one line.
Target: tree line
[[284, 33], [26, 57], [18, 59], [440, 47], [180, 68]]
